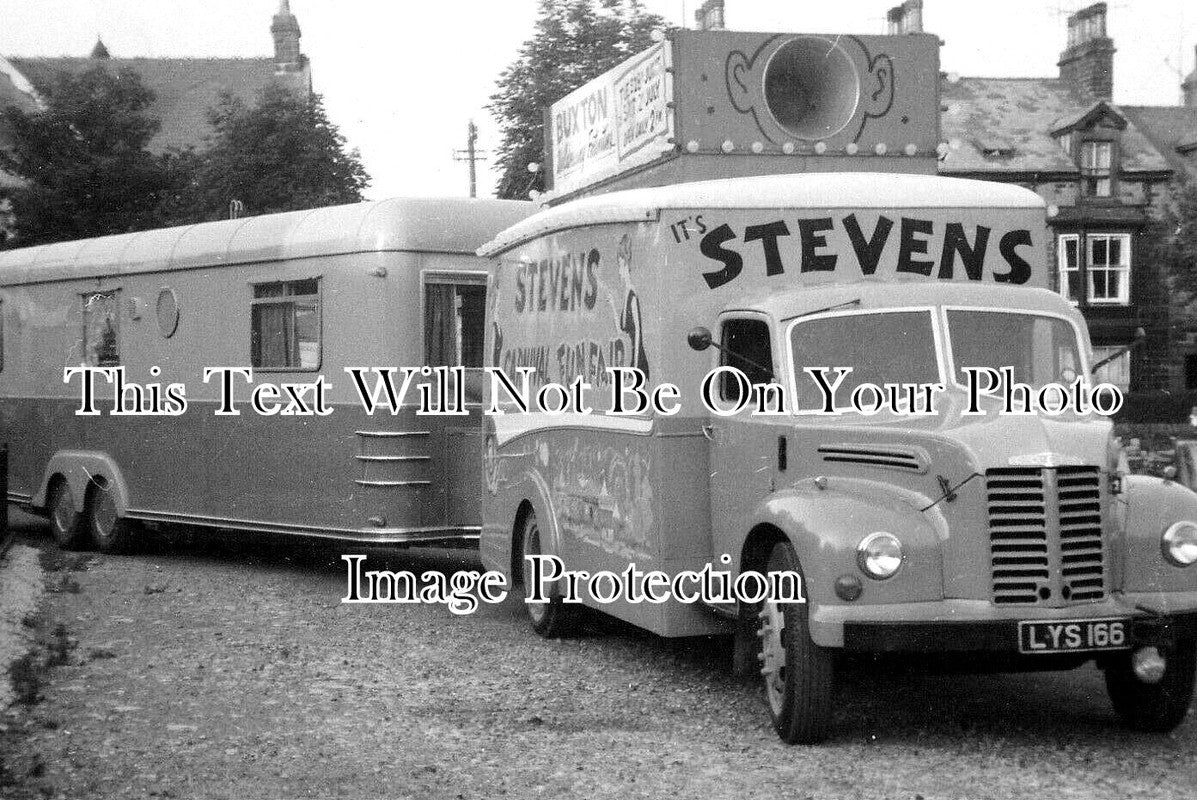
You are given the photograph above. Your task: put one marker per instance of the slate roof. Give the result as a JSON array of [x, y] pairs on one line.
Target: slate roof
[[185, 88], [1168, 127], [1003, 125]]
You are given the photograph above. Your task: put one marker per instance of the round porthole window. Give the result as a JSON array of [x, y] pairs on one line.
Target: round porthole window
[[168, 312]]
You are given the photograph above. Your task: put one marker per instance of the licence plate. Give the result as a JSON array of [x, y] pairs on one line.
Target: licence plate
[[1054, 636]]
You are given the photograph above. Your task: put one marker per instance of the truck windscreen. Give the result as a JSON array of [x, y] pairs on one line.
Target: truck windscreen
[[880, 347], [1039, 349]]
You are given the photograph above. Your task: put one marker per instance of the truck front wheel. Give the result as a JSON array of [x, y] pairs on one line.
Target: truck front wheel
[[552, 619], [1160, 703], [798, 674]]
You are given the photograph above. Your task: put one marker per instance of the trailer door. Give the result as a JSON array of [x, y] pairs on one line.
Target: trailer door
[[454, 327]]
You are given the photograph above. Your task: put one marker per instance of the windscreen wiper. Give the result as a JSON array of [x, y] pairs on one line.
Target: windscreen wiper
[[835, 307]]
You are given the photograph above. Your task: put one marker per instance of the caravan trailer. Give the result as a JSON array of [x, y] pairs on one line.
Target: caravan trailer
[[297, 297]]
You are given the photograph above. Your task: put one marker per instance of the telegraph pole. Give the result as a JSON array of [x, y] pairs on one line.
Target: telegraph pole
[[472, 155]]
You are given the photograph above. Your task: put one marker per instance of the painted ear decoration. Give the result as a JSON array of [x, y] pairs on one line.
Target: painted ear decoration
[[879, 87], [810, 88], [738, 69]]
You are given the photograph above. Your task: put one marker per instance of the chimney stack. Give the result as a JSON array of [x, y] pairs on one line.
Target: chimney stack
[[1088, 61], [709, 16], [285, 30], [906, 18], [1189, 87]]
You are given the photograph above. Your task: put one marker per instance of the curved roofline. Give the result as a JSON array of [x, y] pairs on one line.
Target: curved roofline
[[444, 225], [821, 190]]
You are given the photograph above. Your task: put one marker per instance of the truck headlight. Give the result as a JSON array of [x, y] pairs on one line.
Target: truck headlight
[[1180, 543], [879, 555]]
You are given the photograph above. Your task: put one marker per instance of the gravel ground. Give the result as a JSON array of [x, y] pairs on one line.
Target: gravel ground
[[212, 669], [20, 593]]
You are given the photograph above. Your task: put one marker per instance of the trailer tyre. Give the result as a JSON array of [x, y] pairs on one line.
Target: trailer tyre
[[553, 619], [64, 519], [798, 674], [111, 533], [1154, 707]]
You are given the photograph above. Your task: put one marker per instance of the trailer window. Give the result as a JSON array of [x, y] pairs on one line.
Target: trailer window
[[747, 347], [101, 328], [285, 324], [454, 324]]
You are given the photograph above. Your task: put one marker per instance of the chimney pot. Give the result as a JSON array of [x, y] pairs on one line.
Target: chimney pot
[[906, 18]]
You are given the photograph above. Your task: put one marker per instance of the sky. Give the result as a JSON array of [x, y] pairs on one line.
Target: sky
[[402, 80]]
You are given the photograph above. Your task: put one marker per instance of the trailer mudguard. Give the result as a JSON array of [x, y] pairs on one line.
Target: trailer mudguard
[[80, 468]]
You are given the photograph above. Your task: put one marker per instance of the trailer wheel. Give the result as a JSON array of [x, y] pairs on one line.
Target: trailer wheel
[[1155, 707], [555, 618], [64, 519], [798, 674], [111, 533]]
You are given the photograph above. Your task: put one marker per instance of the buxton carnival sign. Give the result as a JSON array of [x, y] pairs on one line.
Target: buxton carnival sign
[[616, 121]]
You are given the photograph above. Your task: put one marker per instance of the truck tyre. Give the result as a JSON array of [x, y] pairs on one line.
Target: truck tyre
[[798, 674], [64, 519], [555, 618], [1154, 707], [111, 533]]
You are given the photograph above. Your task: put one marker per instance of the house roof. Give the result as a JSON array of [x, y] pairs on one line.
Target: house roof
[[1168, 127], [1099, 110], [185, 88], [1003, 125]]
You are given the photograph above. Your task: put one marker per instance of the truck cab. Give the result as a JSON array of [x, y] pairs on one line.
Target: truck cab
[[878, 391]]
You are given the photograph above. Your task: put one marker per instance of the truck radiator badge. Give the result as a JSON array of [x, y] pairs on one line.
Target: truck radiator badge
[[1045, 459]]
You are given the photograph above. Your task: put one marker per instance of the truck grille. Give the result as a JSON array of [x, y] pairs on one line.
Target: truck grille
[[1045, 534]]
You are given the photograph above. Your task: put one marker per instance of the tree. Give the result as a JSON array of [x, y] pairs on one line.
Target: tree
[[281, 154], [574, 42], [1166, 279], [84, 162], [1179, 235]]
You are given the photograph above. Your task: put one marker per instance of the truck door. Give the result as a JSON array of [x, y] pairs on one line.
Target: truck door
[[744, 449]]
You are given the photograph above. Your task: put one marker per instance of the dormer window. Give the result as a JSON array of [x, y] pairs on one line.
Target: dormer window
[[995, 147], [1091, 139], [1097, 160]]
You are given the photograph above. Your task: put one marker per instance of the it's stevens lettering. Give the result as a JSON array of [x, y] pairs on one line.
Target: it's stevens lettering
[[812, 252]]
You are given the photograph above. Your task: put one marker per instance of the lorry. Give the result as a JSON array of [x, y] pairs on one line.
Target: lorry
[[218, 353], [981, 514]]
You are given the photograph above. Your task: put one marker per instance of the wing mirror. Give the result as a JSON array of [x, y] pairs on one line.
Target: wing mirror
[[699, 338]]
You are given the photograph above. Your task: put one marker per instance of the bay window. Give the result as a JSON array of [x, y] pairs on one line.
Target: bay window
[[1069, 264], [1109, 267], [1094, 267]]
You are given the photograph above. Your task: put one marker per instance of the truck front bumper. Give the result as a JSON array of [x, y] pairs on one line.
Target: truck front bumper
[[979, 626]]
